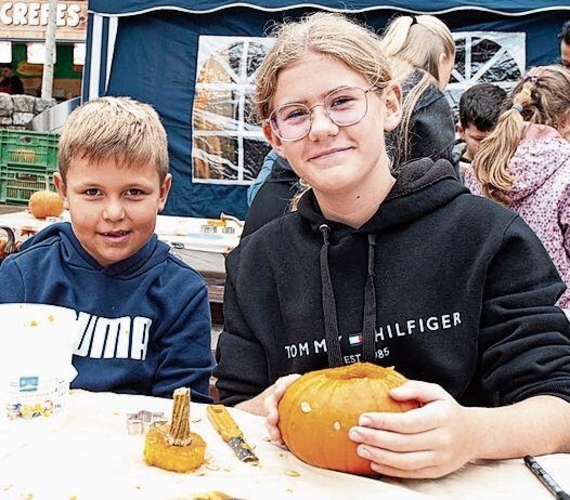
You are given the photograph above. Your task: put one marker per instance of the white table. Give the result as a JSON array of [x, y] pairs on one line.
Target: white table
[[93, 457], [201, 243]]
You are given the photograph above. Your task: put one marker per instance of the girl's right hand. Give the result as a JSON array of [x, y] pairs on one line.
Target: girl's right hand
[[272, 401]]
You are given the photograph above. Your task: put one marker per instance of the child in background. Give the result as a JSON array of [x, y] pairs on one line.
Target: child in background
[[422, 52], [524, 163], [479, 110], [143, 315]]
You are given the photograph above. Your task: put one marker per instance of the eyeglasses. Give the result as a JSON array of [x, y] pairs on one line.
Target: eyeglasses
[[344, 107]]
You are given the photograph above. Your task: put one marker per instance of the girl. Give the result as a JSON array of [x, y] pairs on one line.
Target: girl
[[525, 163], [422, 50], [409, 271]]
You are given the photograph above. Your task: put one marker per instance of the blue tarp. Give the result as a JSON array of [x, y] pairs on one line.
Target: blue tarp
[[154, 59]]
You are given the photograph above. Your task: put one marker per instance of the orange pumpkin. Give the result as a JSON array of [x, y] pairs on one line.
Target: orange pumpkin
[[44, 204], [318, 409]]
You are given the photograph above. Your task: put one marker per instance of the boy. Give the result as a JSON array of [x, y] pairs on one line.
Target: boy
[[479, 110], [143, 315]]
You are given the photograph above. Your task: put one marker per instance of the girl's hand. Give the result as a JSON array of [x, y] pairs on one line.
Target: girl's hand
[[426, 442], [272, 399]]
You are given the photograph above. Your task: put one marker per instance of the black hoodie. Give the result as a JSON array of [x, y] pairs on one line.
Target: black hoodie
[[444, 286]]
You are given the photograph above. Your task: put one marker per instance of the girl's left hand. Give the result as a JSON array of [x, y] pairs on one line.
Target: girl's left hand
[[426, 442]]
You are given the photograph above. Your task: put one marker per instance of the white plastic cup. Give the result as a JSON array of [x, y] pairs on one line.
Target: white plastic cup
[[36, 346]]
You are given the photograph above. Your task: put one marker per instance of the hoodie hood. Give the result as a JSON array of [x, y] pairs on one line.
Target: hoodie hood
[[150, 254], [538, 157], [408, 200]]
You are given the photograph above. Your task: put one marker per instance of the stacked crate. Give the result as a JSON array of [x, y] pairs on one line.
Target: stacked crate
[[27, 163]]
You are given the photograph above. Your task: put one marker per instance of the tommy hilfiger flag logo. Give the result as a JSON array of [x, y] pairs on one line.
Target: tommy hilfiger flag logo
[[355, 338]]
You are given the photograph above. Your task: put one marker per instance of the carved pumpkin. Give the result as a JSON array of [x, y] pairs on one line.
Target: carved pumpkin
[[44, 204], [173, 446], [318, 409]]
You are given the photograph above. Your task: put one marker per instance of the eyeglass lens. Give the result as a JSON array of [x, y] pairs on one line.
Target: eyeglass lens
[[344, 107]]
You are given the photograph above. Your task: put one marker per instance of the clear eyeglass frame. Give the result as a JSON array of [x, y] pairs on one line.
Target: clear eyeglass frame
[[344, 117]]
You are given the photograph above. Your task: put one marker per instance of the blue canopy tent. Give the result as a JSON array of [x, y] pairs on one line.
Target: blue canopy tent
[[195, 62]]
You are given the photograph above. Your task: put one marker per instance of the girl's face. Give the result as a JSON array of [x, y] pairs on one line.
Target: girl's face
[[331, 159]]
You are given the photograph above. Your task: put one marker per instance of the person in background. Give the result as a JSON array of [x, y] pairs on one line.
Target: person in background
[[524, 164], [274, 194], [143, 315], [10, 83], [361, 271], [263, 174], [479, 110], [564, 38], [422, 50]]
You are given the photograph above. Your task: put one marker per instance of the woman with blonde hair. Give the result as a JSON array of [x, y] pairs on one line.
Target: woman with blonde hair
[[524, 163], [423, 54], [361, 272]]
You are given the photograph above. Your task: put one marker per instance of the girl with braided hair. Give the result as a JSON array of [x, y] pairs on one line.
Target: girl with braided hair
[[524, 164]]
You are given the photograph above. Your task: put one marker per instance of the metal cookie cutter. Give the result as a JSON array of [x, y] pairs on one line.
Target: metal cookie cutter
[[139, 423]]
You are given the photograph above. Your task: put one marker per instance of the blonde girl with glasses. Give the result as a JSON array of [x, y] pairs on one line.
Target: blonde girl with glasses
[[525, 163], [361, 271], [422, 54]]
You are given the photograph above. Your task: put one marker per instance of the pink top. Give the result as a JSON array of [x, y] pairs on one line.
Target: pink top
[[541, 193]]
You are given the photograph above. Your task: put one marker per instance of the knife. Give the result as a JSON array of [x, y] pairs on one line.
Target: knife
[[227, 428]]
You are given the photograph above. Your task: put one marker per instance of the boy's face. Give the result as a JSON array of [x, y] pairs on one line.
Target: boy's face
[[113, 210], [472, 137]]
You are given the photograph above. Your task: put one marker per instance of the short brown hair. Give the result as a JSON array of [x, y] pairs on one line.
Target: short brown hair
[[128, 131]]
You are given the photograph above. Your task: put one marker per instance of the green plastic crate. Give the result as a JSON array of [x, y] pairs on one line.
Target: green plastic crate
[[17, 185], [29, 148]]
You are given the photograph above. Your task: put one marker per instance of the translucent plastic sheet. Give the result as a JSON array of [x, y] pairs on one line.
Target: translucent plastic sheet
[[228, 144]]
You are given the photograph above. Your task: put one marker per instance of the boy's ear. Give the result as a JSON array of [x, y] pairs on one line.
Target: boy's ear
[[393, 104], [460, 131], [164, 190], [61, 188], [275, 142]]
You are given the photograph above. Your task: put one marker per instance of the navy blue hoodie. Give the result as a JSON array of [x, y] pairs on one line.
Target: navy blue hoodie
[[445, 286], [144, 321]]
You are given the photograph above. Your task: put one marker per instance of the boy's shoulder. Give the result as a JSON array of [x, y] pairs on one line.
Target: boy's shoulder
[[179, 267]]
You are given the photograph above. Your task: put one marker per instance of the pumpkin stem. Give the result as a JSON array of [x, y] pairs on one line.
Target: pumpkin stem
[[179, 432]]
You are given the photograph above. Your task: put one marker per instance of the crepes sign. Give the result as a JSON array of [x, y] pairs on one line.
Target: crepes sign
[[27, 20]]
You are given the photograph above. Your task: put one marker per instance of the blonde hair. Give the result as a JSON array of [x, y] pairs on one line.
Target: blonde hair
[[330, 34], [118, 128], [415, 42], [333, 35], [542, 97], [419, 41]]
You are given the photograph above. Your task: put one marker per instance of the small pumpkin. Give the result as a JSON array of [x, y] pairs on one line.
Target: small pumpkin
[[44, 204], [318, 409]]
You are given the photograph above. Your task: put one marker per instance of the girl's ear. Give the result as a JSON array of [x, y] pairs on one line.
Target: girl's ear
[[61, 188], [275, 142], [393, 105]]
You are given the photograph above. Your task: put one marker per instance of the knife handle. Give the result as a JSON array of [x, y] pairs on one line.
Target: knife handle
[[223, 422]]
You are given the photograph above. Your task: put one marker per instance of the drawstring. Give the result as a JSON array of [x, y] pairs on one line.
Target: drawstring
[[329, 305], [369, 322]]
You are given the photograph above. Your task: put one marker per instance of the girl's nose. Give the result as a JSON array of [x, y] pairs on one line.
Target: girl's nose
[[321, 124]]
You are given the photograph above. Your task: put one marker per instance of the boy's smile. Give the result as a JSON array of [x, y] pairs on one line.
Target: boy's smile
[[113, 207]]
